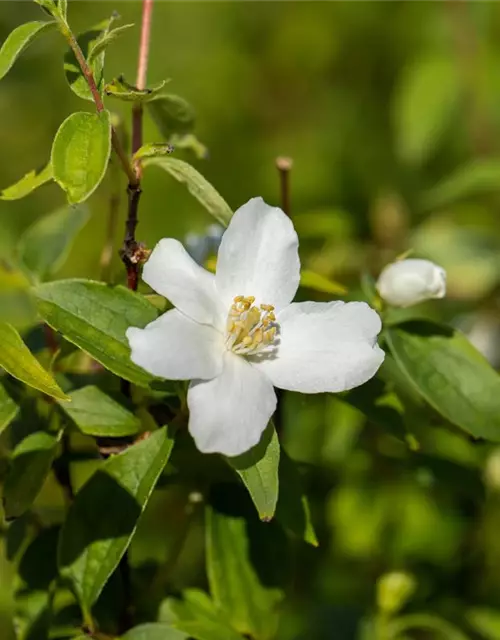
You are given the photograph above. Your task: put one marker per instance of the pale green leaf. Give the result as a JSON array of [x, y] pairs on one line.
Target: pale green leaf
[[105, 40], [154, 631], [424, 102], [481, 176], [103, 517], [258, 468], [8, 409], [189, 142], [449, 374], [80, 153], [18, 40], [27, 184], [95, 317], [153, 150], [172, 114], [197, 185], [96, 414], [250, 606], [317, 282], [123, 90], [30, 463], [19, 362], [45, 246], [87, 41]]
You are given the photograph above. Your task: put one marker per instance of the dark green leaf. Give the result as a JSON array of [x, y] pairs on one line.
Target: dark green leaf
[[103, 518], [30, 463], [450, 374], [153, 150], [18, 40], [27, 184], [16, 359], [95, 317], [424, 103], [80, 153], [96, 414], [172, 114], [197, 615], [154, 631], [44, 246], [293, 506], [8, 409], [105, 40], [258, 468], [248, 593], [478, 177], [197, 185], [87, 41], [120, 88], [485, 621]]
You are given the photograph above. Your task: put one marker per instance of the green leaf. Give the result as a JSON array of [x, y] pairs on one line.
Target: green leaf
[[103, 517], [423, 106], [197, 615], [197, 185], [16, 359], [8, 409], [96, 414], [80, 153], [396, 629], [478, 177], [258, 468], [95, 317], [293, 510], [105, 40], [153, 150], [87, 41], [485, 621], [249, 603], [123, 90], [27, 184], [18, 40], [450, 375], [56, 8], [30, 463], [172, 114], [154, 631], [317, 282], [45, 246], [189, 142]]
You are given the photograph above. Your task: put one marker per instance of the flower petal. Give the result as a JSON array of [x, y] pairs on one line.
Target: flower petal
[[171, 272], [177, 348], [258, 256], [229, 413], [328, 346]]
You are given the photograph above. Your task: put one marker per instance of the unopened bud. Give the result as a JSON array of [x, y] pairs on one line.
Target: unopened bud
[[408, 282]]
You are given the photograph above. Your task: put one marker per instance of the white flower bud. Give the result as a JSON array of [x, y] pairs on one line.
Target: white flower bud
[[408, 282]]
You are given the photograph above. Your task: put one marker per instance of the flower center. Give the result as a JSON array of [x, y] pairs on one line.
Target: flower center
[[250, 329]]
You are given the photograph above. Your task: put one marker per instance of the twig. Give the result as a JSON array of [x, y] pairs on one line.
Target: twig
[[284, 166], [131, 252], [89, 77]]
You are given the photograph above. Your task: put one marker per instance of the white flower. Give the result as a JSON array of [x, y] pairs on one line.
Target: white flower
[[408, 282], [236, 334]]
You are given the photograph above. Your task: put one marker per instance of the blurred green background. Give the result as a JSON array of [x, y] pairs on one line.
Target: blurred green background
[[391, 114]]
